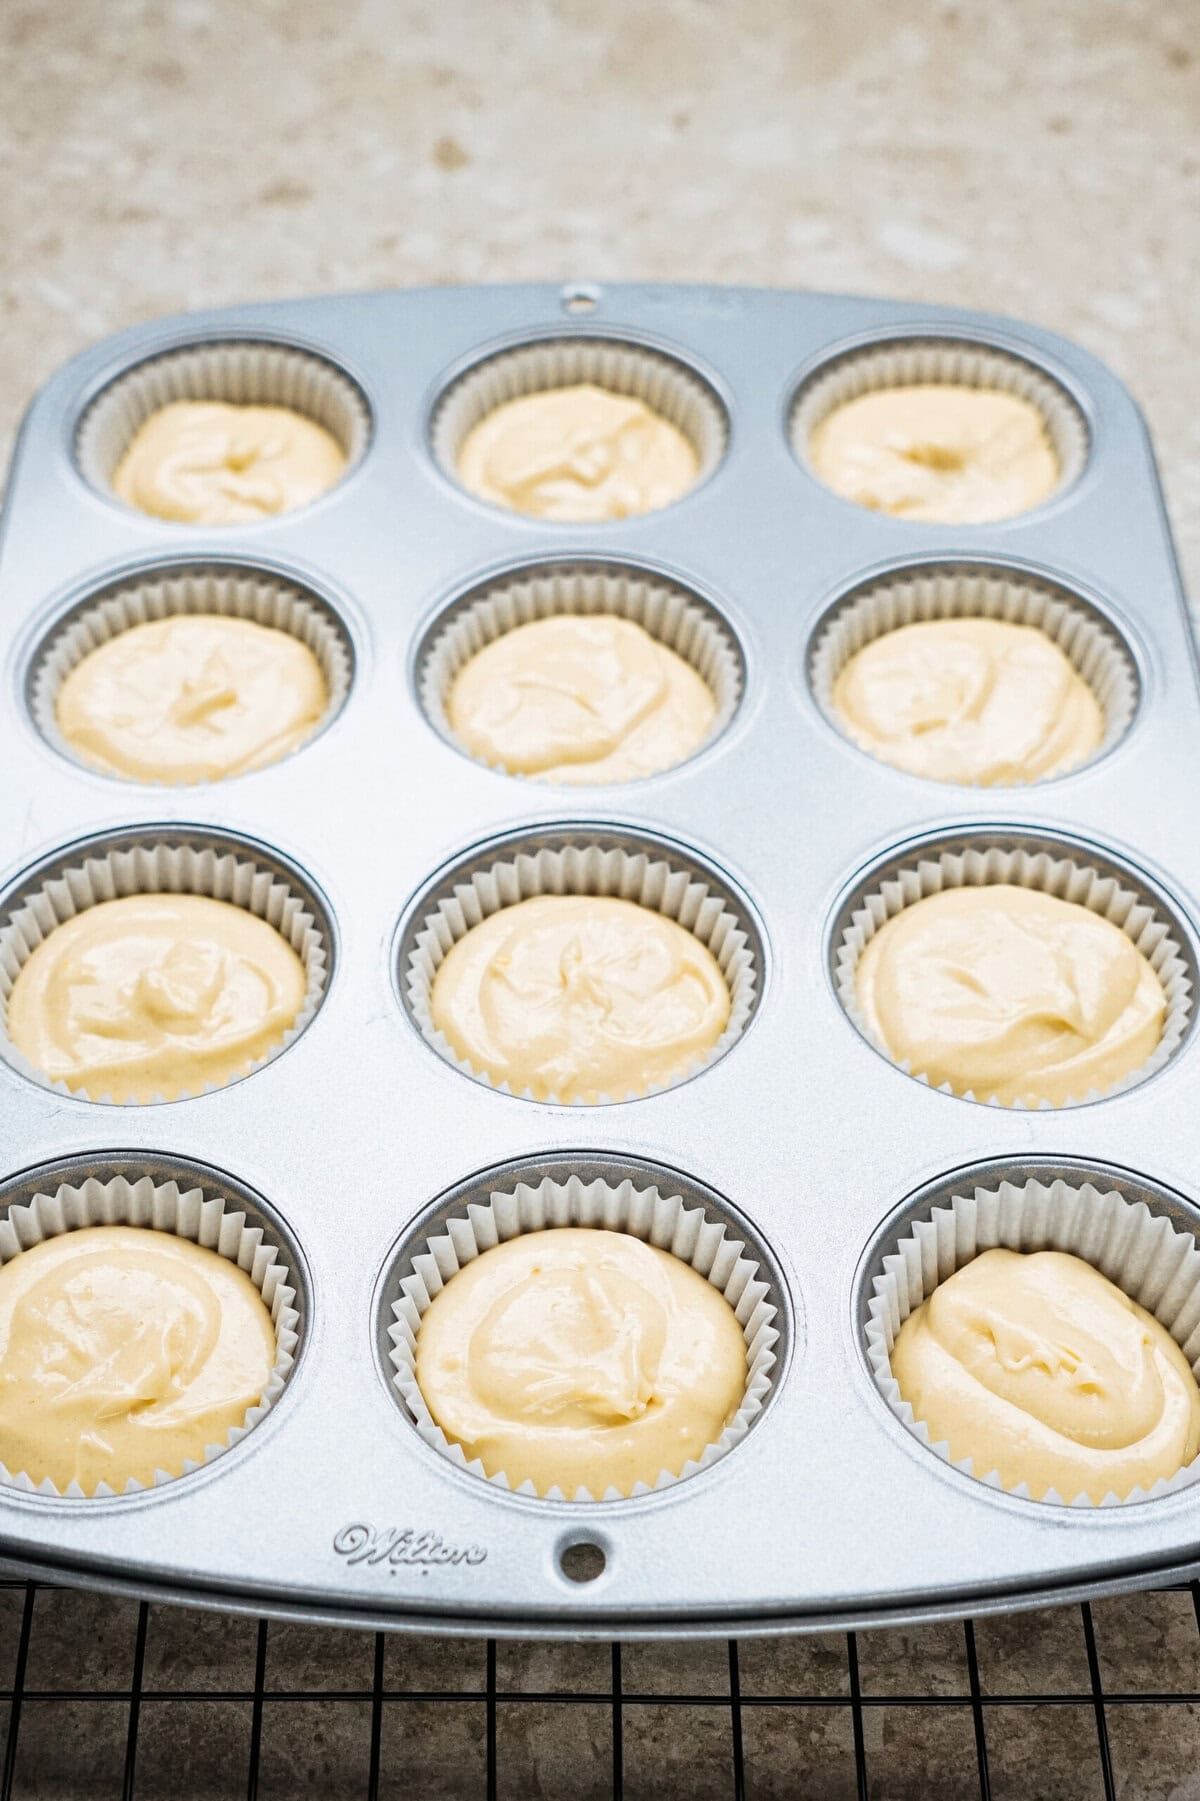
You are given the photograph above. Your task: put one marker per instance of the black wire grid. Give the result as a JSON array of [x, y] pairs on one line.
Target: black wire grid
[[619, 1701]]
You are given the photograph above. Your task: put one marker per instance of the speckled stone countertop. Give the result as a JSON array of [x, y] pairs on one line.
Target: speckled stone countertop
[[1040, 157]]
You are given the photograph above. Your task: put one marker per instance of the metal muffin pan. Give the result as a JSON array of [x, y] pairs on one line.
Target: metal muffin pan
[[827, 1512]]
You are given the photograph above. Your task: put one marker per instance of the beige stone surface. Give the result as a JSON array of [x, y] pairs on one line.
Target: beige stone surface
[[1039, 157]]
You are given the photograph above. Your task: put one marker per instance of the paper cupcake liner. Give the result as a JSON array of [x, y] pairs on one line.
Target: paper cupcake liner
[[659, 1219], [491, 880], [671, 613], [1144, 921], [207, 1220], [909, 362], [979, 591], [153, 864], [243, 371], [660, 381], [234, 592], [1140, 1251]]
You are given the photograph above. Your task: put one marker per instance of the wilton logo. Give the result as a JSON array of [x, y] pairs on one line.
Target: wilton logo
[[396, 1545]]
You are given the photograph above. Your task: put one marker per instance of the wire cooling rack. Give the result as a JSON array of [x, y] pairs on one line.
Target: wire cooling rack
[[109, 1697]]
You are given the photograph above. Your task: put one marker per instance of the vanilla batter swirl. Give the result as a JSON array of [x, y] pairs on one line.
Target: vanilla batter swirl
[[969, 700], [155, 995], [580, 699], [1010, 994], [580, 998], [191, 699], [208, 462], [1040, 1369], [938, 452], [124, 1352], [581, 1358], [577, 453]]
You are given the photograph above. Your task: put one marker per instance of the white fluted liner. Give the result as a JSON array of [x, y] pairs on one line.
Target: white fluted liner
[[205, 1219], [662, 1220], [910, 362], [1068, 878], [962, 591], [1140, 1251], [661, 607], [663, 383], [157, 867], [233, 593], [490, 883], [244, 371]]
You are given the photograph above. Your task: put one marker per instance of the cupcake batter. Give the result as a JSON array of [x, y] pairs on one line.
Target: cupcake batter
[[577, 1358], [124, 1352], [1038, 1368], [155, 995], [969, 700], [580, 997], [577, 453], [1010, 994], [580, 699], [208, 462], [938, 452], [191, 699]]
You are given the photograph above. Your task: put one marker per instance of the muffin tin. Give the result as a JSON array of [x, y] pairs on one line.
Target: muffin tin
[[803, 1145]]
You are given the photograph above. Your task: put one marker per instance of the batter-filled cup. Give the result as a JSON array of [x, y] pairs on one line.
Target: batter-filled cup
[[583, 863], [965, 591], [240, 372], [647, 1212], [669, 613], [1039, 448], [162, 861], [975, 861], [193, 1211], [1138, 1249], [568, 478], [197, 591]]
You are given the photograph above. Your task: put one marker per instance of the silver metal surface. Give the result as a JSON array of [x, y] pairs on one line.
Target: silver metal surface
[[828, 1508]]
